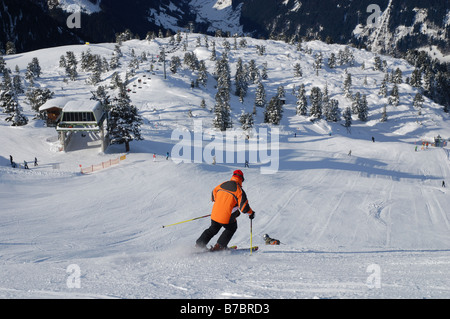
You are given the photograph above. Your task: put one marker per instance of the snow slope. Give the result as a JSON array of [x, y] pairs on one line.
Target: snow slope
[[380, 213]]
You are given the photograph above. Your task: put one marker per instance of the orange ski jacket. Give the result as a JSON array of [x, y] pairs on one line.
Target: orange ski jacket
[[229, 199]]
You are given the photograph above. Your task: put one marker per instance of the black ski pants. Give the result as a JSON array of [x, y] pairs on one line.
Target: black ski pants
[[212, 231]]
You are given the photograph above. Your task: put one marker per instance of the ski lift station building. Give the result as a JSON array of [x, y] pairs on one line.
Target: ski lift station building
[[81, 116]]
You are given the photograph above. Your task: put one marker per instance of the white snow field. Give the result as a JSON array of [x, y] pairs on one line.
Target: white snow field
[[375, 224]]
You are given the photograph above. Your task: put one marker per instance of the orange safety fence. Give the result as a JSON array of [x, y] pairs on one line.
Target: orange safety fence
[[103, 165]]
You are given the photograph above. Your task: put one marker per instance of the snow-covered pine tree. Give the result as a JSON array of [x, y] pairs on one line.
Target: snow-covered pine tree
[[175, 63], [332, 61], [418, 101], [253, 72], [316, 103], [2, 64], [17, 82], [383, 88], [240, 79], [123, 120], [222, 119], [394, 97], [71, 65], [377, 66], [298, 70], [274, 111], [213, 56], [318, 60], [260, 96], [302, 102], [264, 75], [246, 120], [384, 116], [398, 76], [36, 97], [356, 103], [202, 77], [416, 78], [363, 109], [33, 69], [347, 115], [347, 85], [10, 105]]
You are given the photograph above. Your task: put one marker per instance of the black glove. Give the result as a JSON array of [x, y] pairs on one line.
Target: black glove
[[252, 215]]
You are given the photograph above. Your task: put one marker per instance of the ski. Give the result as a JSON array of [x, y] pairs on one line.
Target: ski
[[231, 249]]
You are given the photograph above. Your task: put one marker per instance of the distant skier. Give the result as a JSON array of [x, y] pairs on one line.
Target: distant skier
[[35, 162], [443, 183], [167, 156], [373, 139], [246, 164], [154, 157], [350, 153], [25, 165], [11, 159], [229, 201]]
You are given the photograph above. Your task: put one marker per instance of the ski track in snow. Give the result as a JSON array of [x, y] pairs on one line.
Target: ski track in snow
[[335, 214]]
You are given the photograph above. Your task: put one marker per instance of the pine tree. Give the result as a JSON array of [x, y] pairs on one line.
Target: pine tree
[[418, 101], [240, 80], [363, 110], [71, 66], [377, 66], [264, 75], [394, 97], [298, 70], [398, 76], [253, 72], [316, 103], [302, 103], [416, 78], [124, 121], [202, 77], [36, 97], [384, 116], [383, 88], [332, 61], [175, 63], [318, 62], [222, 119], [347, 85], [260, 98], [246, 120], [274, 111], [347, 118], [356, 104]]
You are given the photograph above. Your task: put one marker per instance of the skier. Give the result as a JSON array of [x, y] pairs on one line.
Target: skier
[[154, 157], [443, 183], [229, 201], [35, 162], [373, 139], [11, 159], [167, 156], [246, 164], [25, 165]]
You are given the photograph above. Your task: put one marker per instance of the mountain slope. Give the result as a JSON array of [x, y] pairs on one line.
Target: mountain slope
[[338, 216]]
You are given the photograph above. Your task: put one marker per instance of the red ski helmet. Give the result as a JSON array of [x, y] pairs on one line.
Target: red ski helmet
[[239, 174]]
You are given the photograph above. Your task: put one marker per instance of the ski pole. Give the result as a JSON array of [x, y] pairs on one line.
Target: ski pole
[[251, 236], [189, 220]]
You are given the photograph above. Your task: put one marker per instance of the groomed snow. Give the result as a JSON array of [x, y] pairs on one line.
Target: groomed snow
[[344, 221]]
